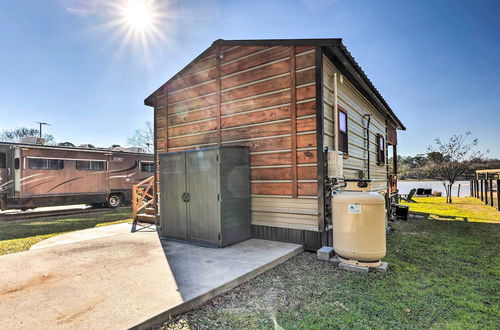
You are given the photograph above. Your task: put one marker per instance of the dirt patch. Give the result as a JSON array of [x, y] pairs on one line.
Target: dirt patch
[[33, 282], [81, 312]]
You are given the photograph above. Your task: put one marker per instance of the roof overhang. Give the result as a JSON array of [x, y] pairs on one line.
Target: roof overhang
[[332, 47]]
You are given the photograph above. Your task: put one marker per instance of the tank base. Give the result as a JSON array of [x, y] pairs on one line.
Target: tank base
[[360, 263]]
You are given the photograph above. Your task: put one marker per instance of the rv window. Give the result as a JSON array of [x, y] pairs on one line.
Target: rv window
[[380, 149], [45, 164], [147, 167], [90, 165], [343, 140], [3, 160]]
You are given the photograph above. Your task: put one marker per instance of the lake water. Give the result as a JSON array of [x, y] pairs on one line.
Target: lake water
[[405, 187]]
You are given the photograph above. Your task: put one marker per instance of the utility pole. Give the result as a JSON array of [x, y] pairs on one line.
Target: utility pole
[[40, 131]]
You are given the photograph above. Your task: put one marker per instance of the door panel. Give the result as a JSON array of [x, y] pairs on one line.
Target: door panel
[[203, 189], [173, 186], [5, 169]]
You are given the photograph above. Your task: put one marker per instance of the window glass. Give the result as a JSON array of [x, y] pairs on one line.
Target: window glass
[[147, 167], [90, 165], [343, 139], [342, 121], [380, 150], [45, 164], [3, 160]]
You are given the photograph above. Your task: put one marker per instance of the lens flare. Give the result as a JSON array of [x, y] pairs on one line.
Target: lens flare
[[138, 15], [138, 25]]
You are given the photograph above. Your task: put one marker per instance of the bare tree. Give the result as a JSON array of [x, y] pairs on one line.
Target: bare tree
[[143, 137], [17, 134], [450, 159]]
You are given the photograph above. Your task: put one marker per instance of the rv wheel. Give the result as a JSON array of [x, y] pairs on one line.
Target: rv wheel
[[115, 200]]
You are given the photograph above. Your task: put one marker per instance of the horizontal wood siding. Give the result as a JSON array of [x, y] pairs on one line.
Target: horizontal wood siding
[[356, 106], [256, 110]]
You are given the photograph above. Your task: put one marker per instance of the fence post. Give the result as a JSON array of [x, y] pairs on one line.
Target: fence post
[[486, 191], [134, 203], [481, 182], [498, 194], [492, 203], [458, 191]]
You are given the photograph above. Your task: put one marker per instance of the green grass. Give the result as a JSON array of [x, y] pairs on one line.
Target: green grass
[[443, 275], [462, 209], [20, 235]]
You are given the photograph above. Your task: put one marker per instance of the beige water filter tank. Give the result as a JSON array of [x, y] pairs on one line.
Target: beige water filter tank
[[359, 227]]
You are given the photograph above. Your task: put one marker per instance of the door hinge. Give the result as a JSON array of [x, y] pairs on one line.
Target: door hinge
[[220, 237], [218, 197], [217, 158]]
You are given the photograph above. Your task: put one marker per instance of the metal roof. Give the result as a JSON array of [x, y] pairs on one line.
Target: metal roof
[[44, 146], [336, 48]]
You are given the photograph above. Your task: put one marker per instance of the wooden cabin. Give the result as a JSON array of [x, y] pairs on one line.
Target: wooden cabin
[[281, 98]]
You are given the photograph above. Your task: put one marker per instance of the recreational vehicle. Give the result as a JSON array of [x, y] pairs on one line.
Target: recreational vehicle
[[34, 175]]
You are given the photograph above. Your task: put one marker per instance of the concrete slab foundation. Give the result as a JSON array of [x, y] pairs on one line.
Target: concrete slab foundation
[[354, 268], [126, 280], [382, 268], [325, 253]]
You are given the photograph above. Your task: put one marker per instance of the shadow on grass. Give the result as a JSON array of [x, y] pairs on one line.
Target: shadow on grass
[[451, 218], [53, 225]]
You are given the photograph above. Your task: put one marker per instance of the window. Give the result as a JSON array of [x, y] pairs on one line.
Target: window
[[91, 165], [45, 164], [3, 160], [380, 149], [343, 140], [147, 167]]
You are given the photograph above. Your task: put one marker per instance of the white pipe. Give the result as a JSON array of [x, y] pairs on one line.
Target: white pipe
[[336, 140]]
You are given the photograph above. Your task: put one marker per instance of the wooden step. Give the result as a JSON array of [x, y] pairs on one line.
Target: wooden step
[[146, 218], [150, 211]]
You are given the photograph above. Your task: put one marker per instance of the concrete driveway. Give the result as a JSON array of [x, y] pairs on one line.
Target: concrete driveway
[[123, 280]]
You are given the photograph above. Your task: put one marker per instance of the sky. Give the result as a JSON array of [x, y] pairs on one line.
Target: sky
[[85, 69]]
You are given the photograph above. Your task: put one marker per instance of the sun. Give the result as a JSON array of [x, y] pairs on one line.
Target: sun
[[139, 15], [140, 23]]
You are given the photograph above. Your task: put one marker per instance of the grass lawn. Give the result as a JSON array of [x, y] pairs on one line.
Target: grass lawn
[[443, 274], [462, 209], [20, 235]]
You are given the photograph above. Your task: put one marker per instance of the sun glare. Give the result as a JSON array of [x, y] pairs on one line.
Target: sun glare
[[140, 23], [138, 15]]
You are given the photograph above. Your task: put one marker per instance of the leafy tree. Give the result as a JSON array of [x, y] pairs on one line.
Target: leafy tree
[[450, 159], [17, 134], [143, 137]]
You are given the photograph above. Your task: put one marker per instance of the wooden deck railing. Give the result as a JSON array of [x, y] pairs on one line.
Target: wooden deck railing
[[143, 201], [486, 187]]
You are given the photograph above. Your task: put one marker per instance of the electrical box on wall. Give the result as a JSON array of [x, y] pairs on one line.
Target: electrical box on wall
[[335, 164]]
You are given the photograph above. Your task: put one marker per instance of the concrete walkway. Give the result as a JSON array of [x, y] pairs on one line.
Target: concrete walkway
[[84, 235], [123, 280]]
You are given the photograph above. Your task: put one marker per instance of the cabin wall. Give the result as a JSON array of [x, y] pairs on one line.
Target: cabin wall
[[258, 96], [356, 106]]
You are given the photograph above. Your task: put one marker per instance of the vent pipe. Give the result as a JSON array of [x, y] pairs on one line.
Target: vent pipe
[[369, 116]]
